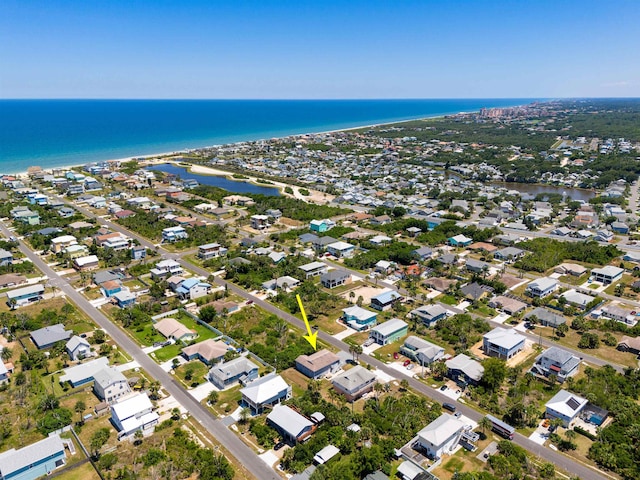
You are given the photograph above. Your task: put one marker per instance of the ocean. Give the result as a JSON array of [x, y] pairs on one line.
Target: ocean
[[51, 133]]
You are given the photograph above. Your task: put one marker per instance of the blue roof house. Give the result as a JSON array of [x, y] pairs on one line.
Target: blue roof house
[[192, 288], [385, 300]]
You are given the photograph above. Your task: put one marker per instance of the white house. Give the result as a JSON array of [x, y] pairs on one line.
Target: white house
[[132, 414], [110, 384], [266, 391], [78, 348], [502, 343], [565, 406], [441, 436], [542, 287], [607, 275]]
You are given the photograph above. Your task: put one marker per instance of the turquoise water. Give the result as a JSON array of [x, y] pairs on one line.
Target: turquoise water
[[217, 181], [52, 133]]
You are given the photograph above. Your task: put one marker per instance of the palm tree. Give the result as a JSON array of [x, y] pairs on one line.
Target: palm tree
[[352, 295], [213, 397], [245, 414], [485, 424]]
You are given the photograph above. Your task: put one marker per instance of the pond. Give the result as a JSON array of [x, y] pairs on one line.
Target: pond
[[232, 186]]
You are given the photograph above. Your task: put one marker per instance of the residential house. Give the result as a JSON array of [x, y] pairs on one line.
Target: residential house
[[173, 234], [385, 300], [474, 291], [318, 364], [111, 287], [208, 352], [566, 406], [27, 216], [546, 317], [389, 331], [286, 282], [421, 351], [354, 383], [380, 220], [292, 426], [422, 253], [313, 269], [502, 343], [25, 295], [509, 254], [110, 385], [33, 461], [604, 236], [78, 348], [620, 227], [138, 252], [60, 243], [508, 305], [459, 241], [570, 269], [6, 258], [441, 436], [380, 240], [124, 298], [193, 288], [321, 243], [359, 318], [439, 284], [341, 249], [464, 370], [132, 414], [321, 226], [577, 299], [260, 222], [558, 362], [326, 454], [264, 392], [48, 336], [384, 267], [172, 329], [83, 373], [542, 287], [277, 257], [115, 240], [211, 250], [476, 266], [607, 275], [629, 344], [166, 268], [429, 314], [619, 314], [89, 262], [239, 370], [335, 278]]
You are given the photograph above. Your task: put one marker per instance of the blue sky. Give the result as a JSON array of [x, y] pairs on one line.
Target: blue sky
[[319, 49]]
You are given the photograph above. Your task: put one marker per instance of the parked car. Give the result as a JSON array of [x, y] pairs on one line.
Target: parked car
[[449, 406], [410, 366], [395, 355], [443, 388], [406, 363], [278, 446]]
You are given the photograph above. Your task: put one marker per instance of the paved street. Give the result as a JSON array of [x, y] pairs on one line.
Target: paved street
[[235, 446], [232, 443]]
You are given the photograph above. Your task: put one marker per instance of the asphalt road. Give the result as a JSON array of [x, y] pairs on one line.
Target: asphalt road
[[560, 460], [236, 447]]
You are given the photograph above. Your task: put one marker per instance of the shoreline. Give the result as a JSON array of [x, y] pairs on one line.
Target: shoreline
[[22, 174]]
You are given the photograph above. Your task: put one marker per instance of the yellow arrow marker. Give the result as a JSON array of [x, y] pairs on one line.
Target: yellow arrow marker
[[312, 338]]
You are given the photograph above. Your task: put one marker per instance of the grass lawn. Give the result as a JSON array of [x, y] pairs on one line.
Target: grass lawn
[[203, 332], [146, 335], [167, 353], [448, 299], [327, 324], [83, 472], [484, 310], [228, 400], [573, 280], [385, 353], [198, 372], [297, 380]]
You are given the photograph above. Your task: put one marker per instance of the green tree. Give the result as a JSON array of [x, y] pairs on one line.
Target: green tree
[[495, 371], [99, 438]]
